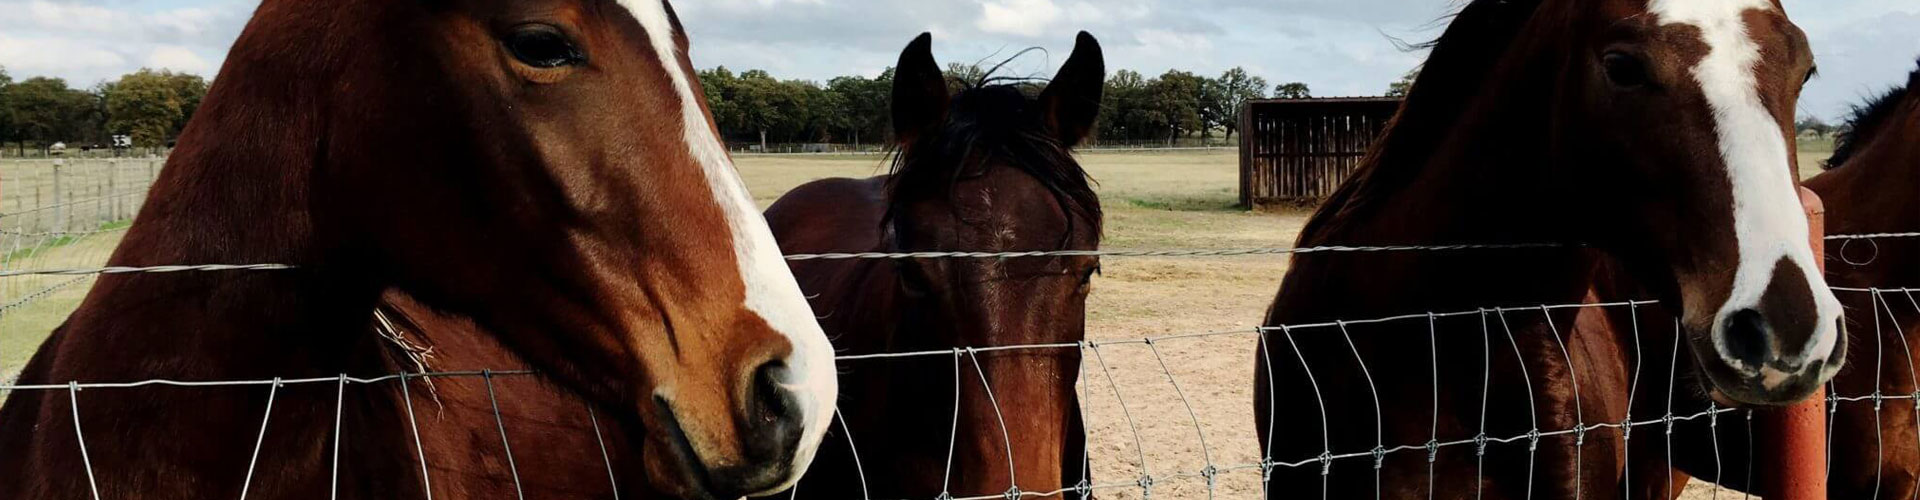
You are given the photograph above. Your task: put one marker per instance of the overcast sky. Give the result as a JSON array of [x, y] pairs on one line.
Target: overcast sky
[[1339, 47]]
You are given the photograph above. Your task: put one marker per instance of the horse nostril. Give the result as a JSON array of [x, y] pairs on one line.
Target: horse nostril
[[775, 408], [1745, 335]]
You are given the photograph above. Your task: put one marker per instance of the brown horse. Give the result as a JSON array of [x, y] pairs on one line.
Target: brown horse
[[1870, 188], [1648, 136], [546, 168], [987, 169]]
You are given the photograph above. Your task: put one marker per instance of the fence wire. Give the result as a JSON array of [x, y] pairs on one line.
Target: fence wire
[[79, 212]]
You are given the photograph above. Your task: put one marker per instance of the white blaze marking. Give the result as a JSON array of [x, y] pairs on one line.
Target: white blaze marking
[[1767, 220], [771, 289]]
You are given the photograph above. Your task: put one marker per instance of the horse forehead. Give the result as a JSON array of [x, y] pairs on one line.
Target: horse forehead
[[1706, 13]]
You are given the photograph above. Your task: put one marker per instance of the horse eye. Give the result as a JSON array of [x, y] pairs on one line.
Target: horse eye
[[1811, 73], [543, 47], [1625, 71]]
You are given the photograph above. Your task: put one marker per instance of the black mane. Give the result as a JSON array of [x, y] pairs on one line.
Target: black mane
[[1867, 120], [988, 125]]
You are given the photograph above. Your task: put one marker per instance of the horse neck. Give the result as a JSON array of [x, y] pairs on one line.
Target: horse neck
[[1487, 182], [236, 191], [1874, 193]]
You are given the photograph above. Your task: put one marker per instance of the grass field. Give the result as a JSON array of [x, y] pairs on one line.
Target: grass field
[[1152, 200]]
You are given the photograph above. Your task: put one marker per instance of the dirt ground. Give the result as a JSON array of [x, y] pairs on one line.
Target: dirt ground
[[1153, 200]]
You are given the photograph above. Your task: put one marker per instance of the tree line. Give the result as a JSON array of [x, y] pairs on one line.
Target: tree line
[[149, 107], [756, 108]]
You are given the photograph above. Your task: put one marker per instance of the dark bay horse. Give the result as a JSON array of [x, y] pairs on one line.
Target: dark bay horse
[[987, 169], [1871, 187], [544, 168], [1649, 137]]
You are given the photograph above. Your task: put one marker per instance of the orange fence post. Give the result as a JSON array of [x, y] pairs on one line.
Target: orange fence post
[[1792, 449]]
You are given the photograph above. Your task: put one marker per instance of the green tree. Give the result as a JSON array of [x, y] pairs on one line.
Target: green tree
[[45, 111], [151, 106], [1174, 101], [961, 76], [6, 108], [1227, 94], [862, 105], [1293, 90], [1815, 125], [1405, 85], [722, 89], [1123, 107]]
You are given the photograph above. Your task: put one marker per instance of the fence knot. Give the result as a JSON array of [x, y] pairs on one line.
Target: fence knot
[[1668, 420], [1379, 457], [944, 495], [1480, 445], [1146, 484], [1579, 436], [1626, 429], [1012, 493], [1533, 440], [1433, 451], [1084, 489], [1211, 473], [1326, 462], [1878, 400], [1266, 470]]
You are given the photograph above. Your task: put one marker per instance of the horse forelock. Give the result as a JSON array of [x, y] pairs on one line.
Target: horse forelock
[[989, 126]]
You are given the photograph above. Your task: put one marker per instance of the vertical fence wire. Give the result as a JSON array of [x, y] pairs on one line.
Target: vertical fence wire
[[1433, 435], [1633, 392], [80, 436], [1673, 369], [614, 481], [1379, 420], [1486, 388], [272, 393], [413, 424], [1006, 436], [1579, 414], [501, 424], [953, 436], [1133, 427], [1533, 415], [1206, 454], [339, 405], [1326, 434]]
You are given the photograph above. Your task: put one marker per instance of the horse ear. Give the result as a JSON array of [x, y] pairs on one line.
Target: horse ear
[[1072, 100], [919, 91]]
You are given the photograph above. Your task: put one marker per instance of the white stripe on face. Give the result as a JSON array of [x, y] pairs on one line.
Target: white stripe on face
[[1768, 222], [771, 290]]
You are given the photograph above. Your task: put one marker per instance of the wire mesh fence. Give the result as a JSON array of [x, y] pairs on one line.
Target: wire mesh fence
[[1154, 428]]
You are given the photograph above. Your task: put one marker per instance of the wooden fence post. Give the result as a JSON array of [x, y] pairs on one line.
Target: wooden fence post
[[1793, 452]]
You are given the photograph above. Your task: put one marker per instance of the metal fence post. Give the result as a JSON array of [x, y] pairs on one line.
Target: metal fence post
[[1794, 441], [113, 178], [59, 198]]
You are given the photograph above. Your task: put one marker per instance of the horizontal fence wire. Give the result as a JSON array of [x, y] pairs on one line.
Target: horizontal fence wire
[[1185, 253], [1146, 481]]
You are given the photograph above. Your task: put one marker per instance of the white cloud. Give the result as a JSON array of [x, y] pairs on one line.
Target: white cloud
[[178, 58], [88, 41], [1018, 17]]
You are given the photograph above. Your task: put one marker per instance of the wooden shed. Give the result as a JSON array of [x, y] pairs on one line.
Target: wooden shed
[[1300, 150]]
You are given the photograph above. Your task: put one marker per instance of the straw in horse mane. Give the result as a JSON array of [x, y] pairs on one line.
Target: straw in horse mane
[[1867, 120]]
